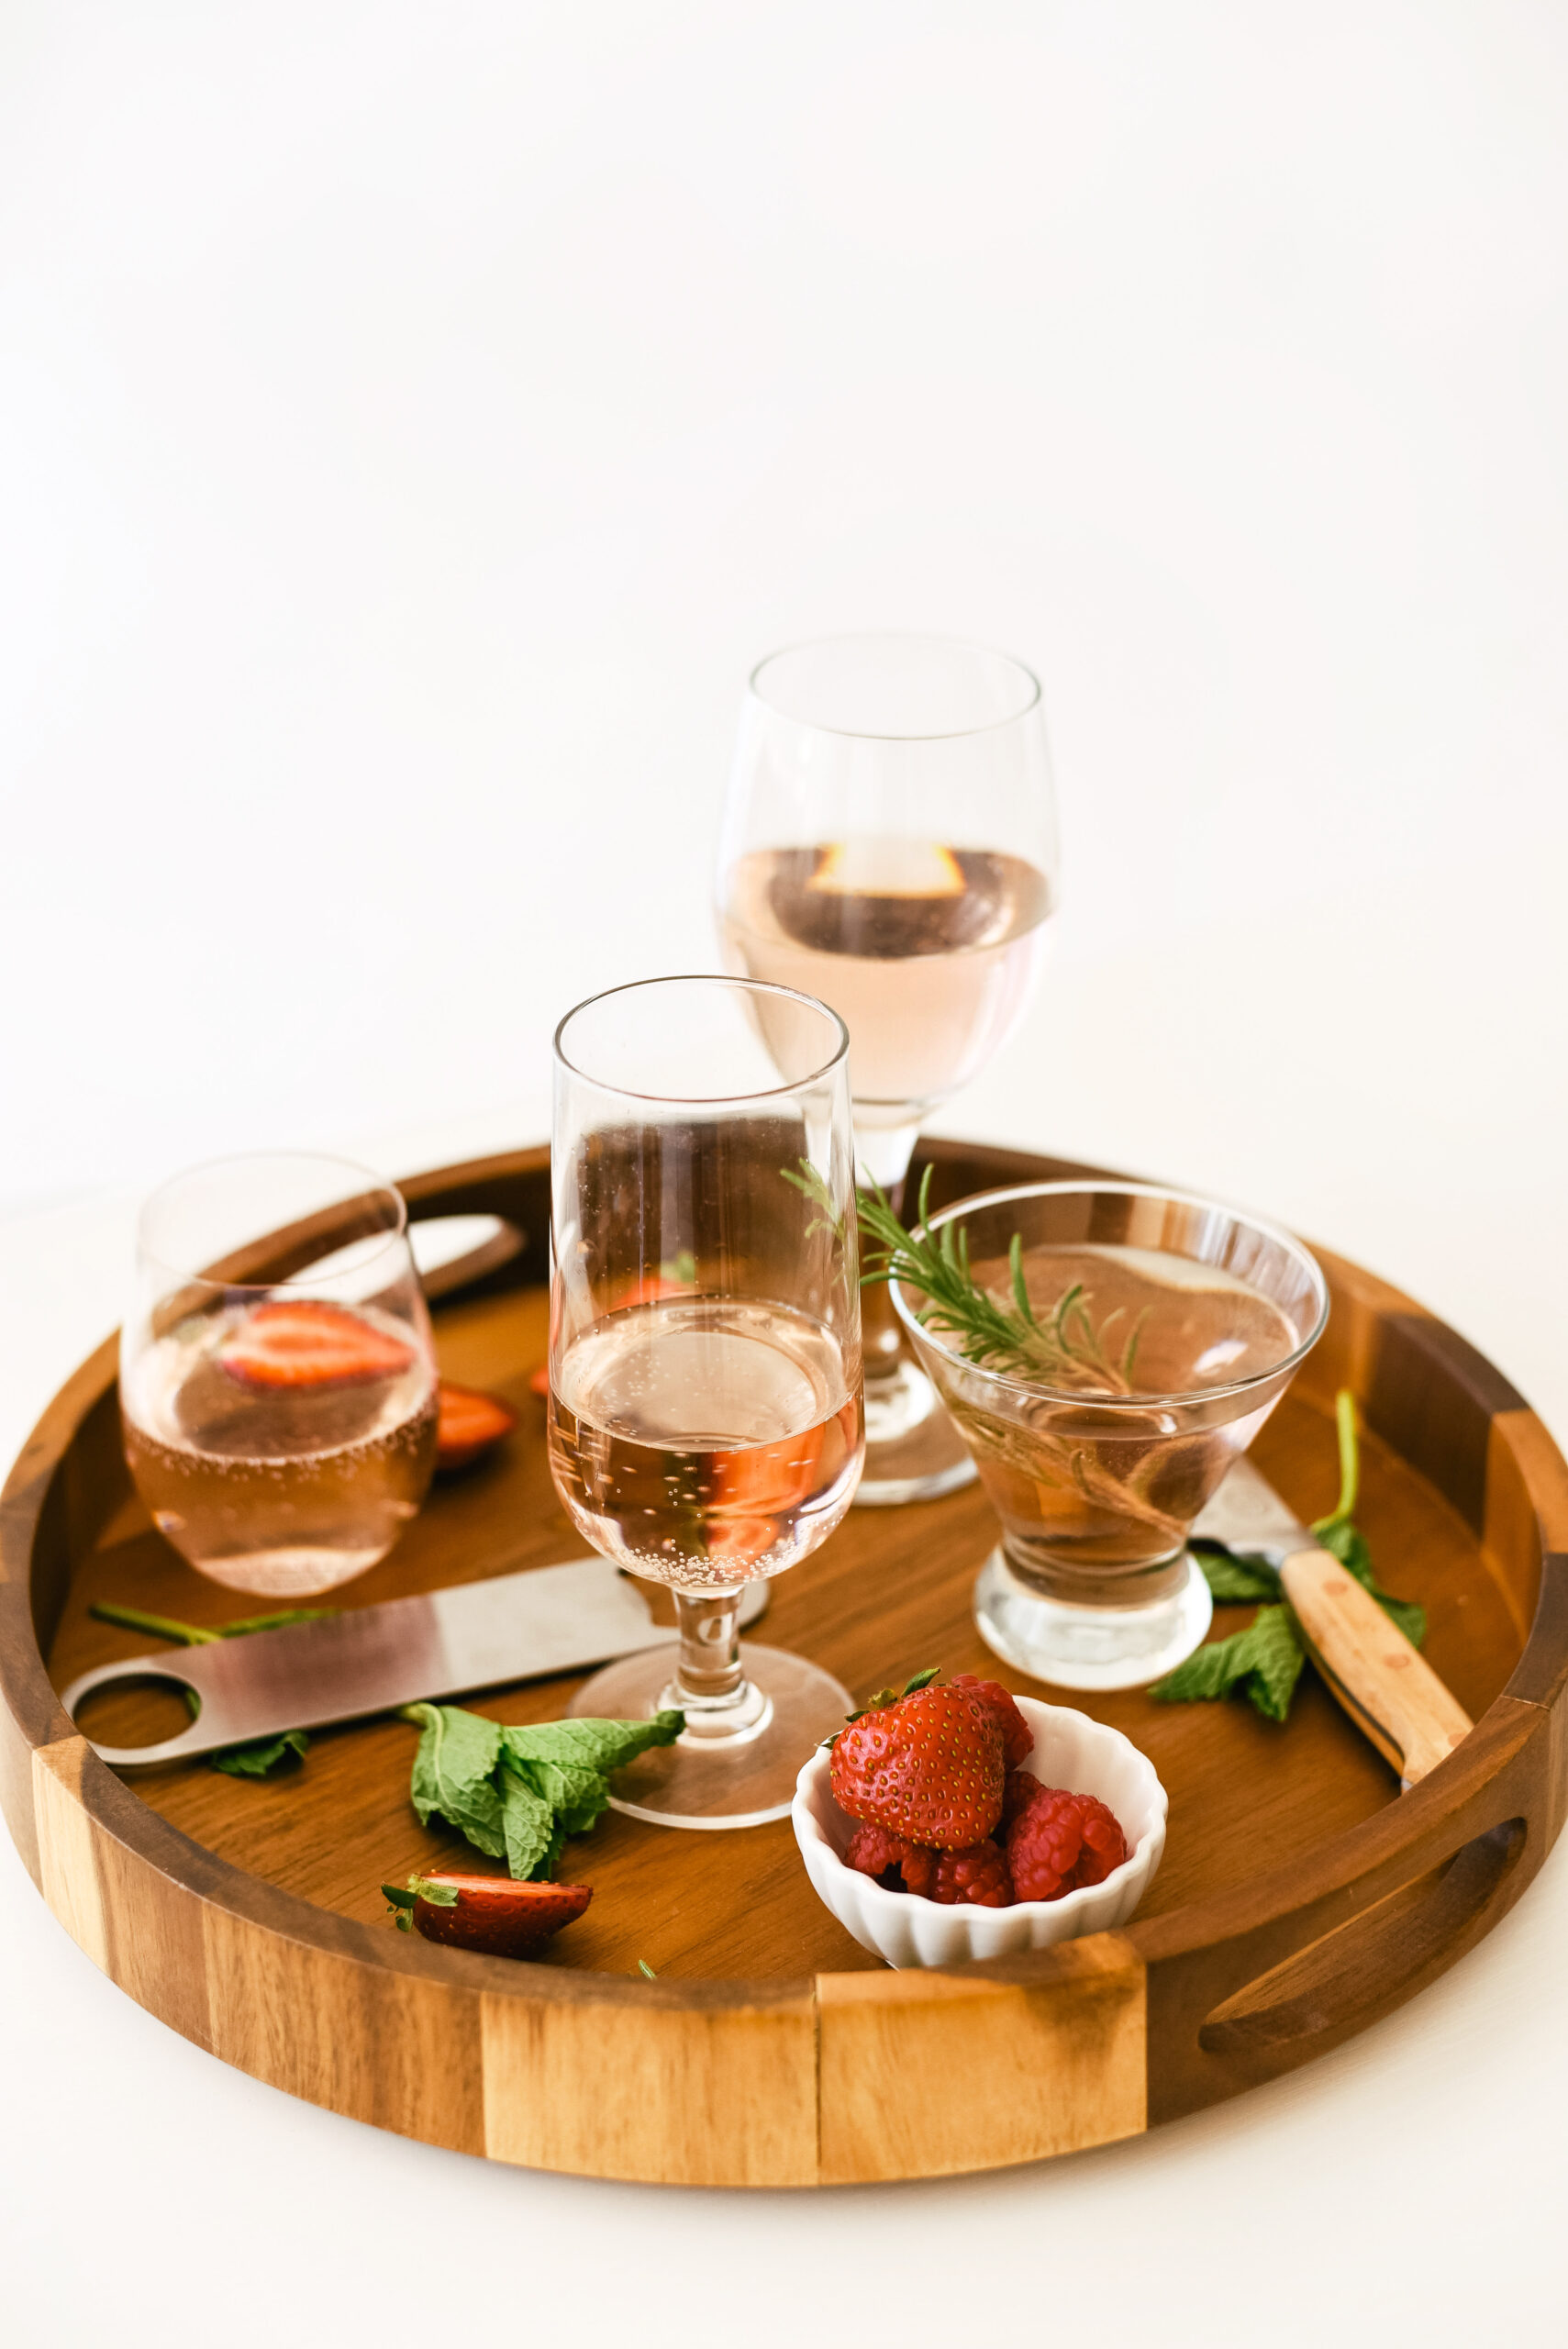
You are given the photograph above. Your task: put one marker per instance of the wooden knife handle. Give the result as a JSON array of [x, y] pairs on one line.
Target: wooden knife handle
[[1370, 1666]]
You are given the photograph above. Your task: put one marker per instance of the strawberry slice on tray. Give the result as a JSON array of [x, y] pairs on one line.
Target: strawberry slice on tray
[[304, 1342], [490, 1913], [470, 1422]]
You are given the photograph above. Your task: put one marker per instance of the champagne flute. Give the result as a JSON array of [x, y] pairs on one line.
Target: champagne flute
[[706, 1426], [889, 845], [277, 1373]]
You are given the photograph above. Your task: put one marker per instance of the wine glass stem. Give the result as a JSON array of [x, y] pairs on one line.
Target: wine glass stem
[[708, 1677]]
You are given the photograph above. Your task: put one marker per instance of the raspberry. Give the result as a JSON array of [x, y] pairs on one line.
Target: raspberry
[[1017, 1738], [873, 1851], [1104, 1845], [977, 1878], [1060, 1840], [1019, 1790]]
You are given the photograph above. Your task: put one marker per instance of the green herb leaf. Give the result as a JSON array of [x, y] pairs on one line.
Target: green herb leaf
[[1234, 1581], [451, 1775], [262, 1754], [528, 1824], [1342, 1540], [579, 1794], [643, 1967], [591, 1744], [1265, 1659]]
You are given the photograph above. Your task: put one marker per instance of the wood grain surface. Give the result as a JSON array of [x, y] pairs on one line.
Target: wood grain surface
[[771, 2049]]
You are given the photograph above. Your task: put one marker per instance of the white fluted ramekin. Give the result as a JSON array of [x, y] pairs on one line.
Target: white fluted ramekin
[[1070, 1750]]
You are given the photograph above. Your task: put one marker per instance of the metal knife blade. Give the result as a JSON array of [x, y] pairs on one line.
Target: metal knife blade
[[1388, 1690], [1248, 1516], [369, 1659]]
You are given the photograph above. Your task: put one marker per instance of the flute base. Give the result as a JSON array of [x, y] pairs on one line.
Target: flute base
[[1089, 1647], [914, 1453], [732, 1769]]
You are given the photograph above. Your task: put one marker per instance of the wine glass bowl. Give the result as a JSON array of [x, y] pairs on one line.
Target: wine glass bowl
[[889, 846], [278, 1394], [1161, 1332], [705, 1421]]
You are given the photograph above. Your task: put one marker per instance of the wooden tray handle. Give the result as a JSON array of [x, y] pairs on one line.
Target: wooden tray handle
[[1371, 1667]]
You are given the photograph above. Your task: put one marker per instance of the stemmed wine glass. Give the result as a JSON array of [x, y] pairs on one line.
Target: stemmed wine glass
[[889, 845], [705, 1424]]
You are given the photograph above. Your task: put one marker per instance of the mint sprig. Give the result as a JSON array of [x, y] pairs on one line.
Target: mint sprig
[[1264, 1661], [518, 1793]]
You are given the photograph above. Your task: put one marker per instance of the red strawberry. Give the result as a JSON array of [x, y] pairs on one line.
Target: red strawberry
[[1017, 1738], [873, 1852], [470, 1423], [977, 1878], [928, 1765], [490, 1913], [306, 1344]]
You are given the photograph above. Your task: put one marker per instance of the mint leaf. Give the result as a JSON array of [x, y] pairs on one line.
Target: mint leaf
[[1265, 1660], [451, 1777], [1276, 1655], [528, 1825], [591, 1744], [261, 1756], [1231, 1580], [577, 1793], [1341, 1539]]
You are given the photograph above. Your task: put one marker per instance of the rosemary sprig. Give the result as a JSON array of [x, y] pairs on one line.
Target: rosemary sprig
[[1064, 1348]]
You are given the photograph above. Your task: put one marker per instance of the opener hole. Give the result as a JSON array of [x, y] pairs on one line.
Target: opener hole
[[141, 1710]]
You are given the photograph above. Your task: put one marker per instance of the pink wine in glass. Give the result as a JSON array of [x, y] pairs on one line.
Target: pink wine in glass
[[925, 951], [706, 1442], [281, 1447]]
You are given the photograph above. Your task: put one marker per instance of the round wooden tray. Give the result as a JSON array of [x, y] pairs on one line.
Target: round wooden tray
[[1301, 1896]]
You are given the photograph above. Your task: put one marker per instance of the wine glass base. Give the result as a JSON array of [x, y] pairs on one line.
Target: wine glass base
[[716, 1781], [914, 1453], [1088, 1647]]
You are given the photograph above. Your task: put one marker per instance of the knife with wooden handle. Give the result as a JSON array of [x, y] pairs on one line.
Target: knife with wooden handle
[[1386, 1686]]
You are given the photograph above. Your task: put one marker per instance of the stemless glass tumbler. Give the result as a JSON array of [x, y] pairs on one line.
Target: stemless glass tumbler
[[277, 1379], [1163, 1331], [704, 1355], [889, 845]]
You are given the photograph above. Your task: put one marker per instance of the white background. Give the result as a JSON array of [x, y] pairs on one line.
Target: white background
[[413, 422]]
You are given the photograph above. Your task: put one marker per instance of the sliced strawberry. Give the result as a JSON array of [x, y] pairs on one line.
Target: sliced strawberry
[[490, 1913], [303, 1343], [470, 1423]]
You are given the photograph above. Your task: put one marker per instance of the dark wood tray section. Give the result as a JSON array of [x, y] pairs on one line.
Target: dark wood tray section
[[1301, 1896]]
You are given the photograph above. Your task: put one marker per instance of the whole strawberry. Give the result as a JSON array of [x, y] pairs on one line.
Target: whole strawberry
[[927, 1765], [1017, 1738]]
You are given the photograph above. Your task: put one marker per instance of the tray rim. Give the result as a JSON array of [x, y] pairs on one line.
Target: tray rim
[[1093, 2011]]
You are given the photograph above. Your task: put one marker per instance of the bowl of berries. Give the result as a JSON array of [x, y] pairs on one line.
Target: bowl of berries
[[956, 1820]]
